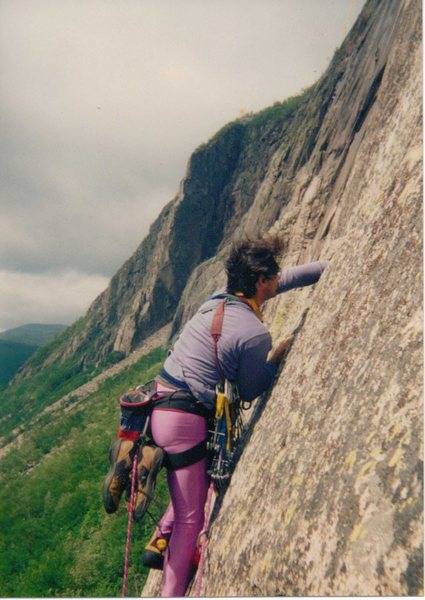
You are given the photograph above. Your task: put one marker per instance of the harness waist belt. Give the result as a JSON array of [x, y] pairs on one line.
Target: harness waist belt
[[181, 400]]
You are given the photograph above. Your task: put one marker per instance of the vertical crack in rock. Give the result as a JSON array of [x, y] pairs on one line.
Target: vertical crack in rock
[[369, 101]]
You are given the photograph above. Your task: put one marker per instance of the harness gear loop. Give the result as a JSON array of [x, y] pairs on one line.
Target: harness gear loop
[[223, 406], [219, 407]]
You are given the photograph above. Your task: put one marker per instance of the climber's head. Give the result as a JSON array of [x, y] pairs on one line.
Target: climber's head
[[252, 265]]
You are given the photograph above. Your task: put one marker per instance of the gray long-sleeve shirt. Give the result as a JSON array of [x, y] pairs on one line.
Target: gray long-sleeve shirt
[[242, 348]]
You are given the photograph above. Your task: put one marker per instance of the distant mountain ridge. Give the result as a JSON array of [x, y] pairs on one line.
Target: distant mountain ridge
[[33, 334], [19, 343], [12, 357]]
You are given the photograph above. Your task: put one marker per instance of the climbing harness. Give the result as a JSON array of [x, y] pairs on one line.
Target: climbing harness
[[136, 408], [227, 431]]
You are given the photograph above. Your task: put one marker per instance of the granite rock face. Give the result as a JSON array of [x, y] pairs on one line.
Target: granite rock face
[[326, 498]]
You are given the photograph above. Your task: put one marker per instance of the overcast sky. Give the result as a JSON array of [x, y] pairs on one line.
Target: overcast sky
[[102, 103]]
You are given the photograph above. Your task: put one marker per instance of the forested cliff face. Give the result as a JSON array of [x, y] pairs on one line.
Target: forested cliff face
[[326, 498], [290, 158]]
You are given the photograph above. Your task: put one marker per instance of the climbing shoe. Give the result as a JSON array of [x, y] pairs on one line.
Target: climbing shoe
[[118, 477], [150, 462], [153, 554]]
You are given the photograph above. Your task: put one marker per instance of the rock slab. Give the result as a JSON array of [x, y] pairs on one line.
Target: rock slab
[[327, 497]]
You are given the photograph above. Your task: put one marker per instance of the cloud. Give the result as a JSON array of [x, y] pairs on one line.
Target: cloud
[[70, 216], [46, 298], [102, 103]]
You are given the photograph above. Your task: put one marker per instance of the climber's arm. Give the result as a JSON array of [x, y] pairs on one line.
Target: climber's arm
[[256, 373], [301, 276]]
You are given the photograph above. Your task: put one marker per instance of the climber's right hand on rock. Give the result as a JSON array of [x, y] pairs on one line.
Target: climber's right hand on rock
[[279, 350]]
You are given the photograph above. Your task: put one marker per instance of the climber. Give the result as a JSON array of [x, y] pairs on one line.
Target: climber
[[252, 278]]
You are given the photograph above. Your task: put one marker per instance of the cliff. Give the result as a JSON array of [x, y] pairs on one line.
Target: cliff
[[326, 498], [237, 183]]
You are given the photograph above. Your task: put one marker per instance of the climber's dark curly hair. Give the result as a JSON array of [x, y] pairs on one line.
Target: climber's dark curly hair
[[249, 259]]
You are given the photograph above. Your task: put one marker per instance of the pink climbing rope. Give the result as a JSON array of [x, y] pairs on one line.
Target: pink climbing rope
[[203, 539], [130, 521]]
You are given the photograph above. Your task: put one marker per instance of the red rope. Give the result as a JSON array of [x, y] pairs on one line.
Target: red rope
[[130, 521]]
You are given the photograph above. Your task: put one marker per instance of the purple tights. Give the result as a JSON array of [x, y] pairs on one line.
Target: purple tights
[[176, 431]]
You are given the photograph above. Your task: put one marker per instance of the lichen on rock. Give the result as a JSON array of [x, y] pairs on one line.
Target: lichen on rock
[[327, 497]]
